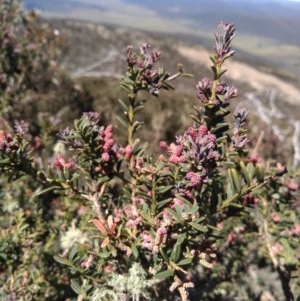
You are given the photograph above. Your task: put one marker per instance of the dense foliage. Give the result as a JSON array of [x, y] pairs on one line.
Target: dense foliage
[[92, 216]]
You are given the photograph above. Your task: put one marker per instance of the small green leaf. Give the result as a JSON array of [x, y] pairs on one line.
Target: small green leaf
[[198, 227], [164, 274], [103, 179], [245, 173], [260, 173], [160, 165], [174, 213], [104, 254], [236, 179], [126, 87], [231, 181], [164, 255], [228, 164], [196, 119], [222, 99], [127, 80], [122, 103], [62, 260], [138, 108], [136, 125], [215, 232], [75, 176], [181, 197], [75, 286], [181, 238], [47, 189], [134, 250], [73, 253], [5, 161], [235, 205], [164, 202], [164, 189], [251, 170], [122, 121], [145, 208], [222, 72], [50, 173], [213, 59], [176, 251], [200, 219], [165, 173], [142, 149], [194, 209], [41, 176], [185, 261]]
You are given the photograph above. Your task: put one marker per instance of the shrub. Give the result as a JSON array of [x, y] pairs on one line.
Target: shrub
[[128, 225], [32, 86]]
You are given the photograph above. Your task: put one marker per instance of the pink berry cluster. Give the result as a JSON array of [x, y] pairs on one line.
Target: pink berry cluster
[[106, 143], [7, 144], [62, 164], [153, 242], [196, 151], [145, 59], [141, 69], [96, 142], [222, 90]]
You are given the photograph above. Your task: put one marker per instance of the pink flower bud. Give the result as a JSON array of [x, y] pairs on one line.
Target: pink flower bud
[[193, 133], [60, 163], [105, 156], [162, 231], [2, 135], [275, 217], [108, 145], [164, 146], [203, 129], [128, 152], [277, 248], [108, 132]]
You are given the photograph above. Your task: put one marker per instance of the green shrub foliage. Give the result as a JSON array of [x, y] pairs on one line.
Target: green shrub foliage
[[28, 51], [102, 219]]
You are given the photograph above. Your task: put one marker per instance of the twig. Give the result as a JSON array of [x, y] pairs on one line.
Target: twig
[[258, 143], [296, 144]]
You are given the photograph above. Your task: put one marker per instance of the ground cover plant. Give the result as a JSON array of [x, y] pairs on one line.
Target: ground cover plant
[[95, 216]]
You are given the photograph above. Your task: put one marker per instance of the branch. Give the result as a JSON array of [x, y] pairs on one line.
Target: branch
[[296, 144]]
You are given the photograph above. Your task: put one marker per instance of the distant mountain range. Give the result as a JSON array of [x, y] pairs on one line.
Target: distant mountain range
[[277, 20], [273, 19], [265, 28]]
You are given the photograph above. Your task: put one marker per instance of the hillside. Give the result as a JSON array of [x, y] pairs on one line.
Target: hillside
[[91, 43], [268, 34], [95, 56]]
